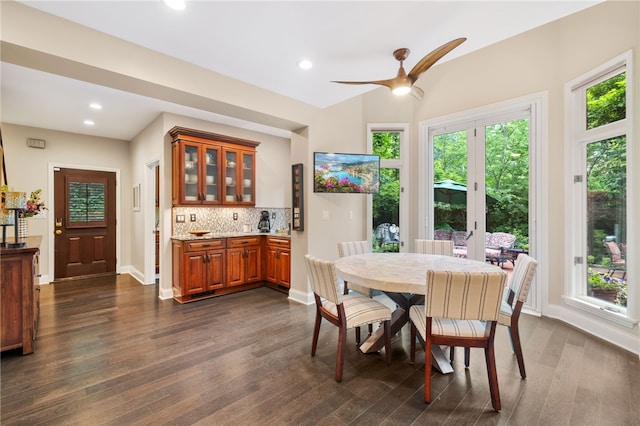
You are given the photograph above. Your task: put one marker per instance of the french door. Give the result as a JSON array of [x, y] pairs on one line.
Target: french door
[[479, 182]]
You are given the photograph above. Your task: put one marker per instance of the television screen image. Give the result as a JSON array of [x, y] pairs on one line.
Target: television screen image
[[346, 173]]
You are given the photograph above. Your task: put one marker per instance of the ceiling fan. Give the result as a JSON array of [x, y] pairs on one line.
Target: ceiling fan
[[402, 83]]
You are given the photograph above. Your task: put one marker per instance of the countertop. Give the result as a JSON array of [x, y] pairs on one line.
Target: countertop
[[212, 235]]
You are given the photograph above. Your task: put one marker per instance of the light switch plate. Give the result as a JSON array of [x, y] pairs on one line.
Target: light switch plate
[[179, 218]]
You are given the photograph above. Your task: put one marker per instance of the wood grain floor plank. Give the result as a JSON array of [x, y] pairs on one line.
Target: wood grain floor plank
[[109, 352]]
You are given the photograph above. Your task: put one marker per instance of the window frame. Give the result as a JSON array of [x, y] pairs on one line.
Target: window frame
[[399, 163], [577, 137]]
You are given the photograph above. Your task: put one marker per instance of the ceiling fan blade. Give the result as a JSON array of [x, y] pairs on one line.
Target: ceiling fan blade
[[433, 57], [379, 82]]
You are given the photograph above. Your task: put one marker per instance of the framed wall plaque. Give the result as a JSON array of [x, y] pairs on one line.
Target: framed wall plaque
[[297, 193]]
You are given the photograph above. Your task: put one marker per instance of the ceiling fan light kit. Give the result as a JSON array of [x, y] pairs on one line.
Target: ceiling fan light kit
[[402, 83]]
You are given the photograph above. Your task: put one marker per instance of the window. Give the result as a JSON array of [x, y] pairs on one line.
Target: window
[[387, 207], [599, 104]]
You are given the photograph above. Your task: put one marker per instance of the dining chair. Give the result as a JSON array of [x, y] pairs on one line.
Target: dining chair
[[345, 311], [514, 298], [350, 248], [461, 309], [443, 247]]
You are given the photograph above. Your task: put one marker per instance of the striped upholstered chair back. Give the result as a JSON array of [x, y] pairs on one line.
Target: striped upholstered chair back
[[464, 295], [350, 248], [443, 247], [324, 282]]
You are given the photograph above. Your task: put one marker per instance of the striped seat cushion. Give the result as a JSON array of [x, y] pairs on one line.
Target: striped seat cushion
[[360, 310], [444, 326]]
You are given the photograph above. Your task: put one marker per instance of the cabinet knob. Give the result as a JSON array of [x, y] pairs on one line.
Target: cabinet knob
[[58, 231]]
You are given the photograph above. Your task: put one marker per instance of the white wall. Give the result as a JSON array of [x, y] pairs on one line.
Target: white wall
[[29, 169]]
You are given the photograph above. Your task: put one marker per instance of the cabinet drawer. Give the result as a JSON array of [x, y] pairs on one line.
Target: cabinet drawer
[[242, 241], [279, 242], [204, 245]]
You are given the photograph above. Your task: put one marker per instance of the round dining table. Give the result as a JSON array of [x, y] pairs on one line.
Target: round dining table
[[403, 278]]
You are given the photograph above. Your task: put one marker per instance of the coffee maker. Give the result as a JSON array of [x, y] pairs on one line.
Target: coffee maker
[[264, 225]]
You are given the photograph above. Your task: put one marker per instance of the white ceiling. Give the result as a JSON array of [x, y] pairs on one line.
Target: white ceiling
[[260, 42]]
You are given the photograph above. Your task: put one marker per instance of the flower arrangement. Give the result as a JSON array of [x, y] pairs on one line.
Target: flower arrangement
[[34, 204]]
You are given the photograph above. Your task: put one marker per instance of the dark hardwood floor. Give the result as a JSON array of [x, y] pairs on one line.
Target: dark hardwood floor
[[109, 352]]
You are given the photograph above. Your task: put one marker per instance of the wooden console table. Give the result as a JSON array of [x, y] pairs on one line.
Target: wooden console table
[[19, 271]]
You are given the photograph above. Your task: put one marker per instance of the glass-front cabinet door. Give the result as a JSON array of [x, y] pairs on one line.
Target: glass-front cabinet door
[[239, 177], [191, 164], [248, 178], [231, 177], [211, 175], [199, 181]]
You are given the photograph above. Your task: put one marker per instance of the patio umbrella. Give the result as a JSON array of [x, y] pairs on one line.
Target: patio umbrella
[[451, 192]]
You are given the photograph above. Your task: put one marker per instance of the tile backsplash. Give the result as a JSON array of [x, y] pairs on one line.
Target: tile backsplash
[[222, 219]]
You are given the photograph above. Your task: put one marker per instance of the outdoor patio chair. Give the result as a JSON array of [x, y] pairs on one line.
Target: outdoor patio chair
[[461, 309], [618, 263], [345, 311]]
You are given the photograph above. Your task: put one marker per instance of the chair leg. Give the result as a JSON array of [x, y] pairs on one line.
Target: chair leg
[[467, 356], [370, 329], [342, 339], [414, 331], [427, 369], [517, 348], [490, 358], [358, 336], [316, 332], [452, 353], [387, 341]]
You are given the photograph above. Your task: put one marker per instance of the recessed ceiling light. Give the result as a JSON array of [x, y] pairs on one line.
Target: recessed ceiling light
[[176, 4], [304, 64], [95, 105], [89, 122]]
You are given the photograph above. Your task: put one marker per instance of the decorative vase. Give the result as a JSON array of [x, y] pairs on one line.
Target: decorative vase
[[23, 227]]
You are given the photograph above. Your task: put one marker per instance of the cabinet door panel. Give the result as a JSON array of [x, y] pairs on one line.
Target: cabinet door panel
[[253, 264], [193, 280], [270, 267], [215, 269], [284, 267], [235, 267]]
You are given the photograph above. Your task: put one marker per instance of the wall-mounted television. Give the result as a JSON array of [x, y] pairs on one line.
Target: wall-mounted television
[[346, 173]]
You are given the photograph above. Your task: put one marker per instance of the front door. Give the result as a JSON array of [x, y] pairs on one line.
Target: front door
[[84, 223]]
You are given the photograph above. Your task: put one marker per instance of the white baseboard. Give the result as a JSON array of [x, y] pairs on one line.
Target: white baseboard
[[625, 339], [305, 298]]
